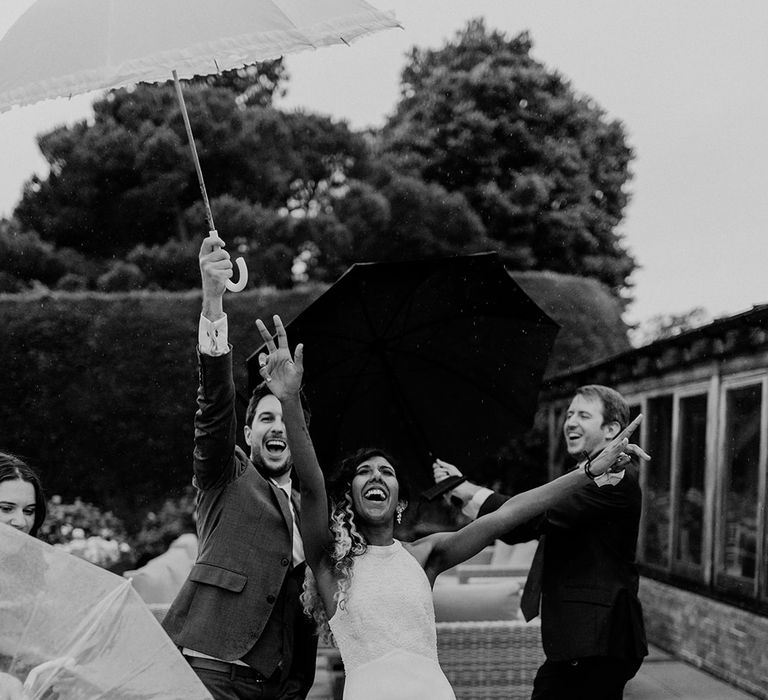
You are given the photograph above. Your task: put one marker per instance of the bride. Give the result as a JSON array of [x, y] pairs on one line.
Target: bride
[[372, 591]]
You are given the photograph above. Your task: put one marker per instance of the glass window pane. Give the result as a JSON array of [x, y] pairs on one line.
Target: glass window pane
[[692, 461], [740, 471], [657, 435]]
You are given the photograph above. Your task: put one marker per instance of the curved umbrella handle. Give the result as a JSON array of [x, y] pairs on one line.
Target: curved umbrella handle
[[242, 279]]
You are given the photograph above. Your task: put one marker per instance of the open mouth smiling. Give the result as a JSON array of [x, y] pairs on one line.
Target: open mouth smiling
[[275, 446], [376, 494]]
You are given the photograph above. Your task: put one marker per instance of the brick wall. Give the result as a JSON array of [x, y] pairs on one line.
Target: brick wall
[[726, 641]]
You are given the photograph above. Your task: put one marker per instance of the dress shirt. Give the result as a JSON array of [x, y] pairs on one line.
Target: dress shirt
[[298, 545], [212, 336]]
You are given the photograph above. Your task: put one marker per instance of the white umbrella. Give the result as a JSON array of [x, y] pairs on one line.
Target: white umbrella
[[69, 627], [60, 48]]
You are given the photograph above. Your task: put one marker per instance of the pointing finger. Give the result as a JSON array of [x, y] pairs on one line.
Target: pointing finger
[[627, 432]]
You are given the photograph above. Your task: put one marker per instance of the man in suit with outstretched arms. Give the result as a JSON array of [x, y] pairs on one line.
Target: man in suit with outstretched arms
[[583, 574], [238, 619]]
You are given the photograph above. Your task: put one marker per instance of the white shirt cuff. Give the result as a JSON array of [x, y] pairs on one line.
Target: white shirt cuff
[[610, 478], [213, 336], [472, 507]]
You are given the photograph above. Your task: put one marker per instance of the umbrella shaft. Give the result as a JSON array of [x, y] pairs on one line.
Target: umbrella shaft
[[195, 159]]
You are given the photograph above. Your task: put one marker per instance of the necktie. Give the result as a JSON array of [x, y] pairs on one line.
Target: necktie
[[296, 514], [529, 601], [298, 545]]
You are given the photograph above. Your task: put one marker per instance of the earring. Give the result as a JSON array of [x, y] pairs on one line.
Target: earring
[[399, 513]]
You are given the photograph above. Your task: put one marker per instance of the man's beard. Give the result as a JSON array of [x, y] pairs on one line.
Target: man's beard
[[269, 471]]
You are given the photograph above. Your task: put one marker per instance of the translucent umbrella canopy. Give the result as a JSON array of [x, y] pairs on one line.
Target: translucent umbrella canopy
[[75, 631], [66, 47]]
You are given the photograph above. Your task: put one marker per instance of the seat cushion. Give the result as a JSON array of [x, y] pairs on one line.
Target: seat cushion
[[457, 602]]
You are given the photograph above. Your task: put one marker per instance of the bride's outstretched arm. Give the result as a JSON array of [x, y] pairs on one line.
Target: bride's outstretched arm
[[451, 548], [284, 375]]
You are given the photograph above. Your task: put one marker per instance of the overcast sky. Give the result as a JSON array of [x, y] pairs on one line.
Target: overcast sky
[[688, 78]]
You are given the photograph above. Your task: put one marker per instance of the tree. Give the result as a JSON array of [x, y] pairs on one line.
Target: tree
[[541, 166], [127, 178], [662, 326], [24, 257], [255, 85]]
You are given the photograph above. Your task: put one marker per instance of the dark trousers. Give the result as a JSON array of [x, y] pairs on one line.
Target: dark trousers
[[593, 678], [226, 686]]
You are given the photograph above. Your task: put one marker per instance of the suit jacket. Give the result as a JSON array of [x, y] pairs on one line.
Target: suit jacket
[[240, 600], [589, 603]]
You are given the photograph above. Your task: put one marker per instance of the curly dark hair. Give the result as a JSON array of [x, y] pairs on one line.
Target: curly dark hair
[[340, 480]]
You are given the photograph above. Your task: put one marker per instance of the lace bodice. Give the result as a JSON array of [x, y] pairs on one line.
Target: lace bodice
[[389, 607]]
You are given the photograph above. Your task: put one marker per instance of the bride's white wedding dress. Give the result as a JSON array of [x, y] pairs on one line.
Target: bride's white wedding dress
[[386, 630]]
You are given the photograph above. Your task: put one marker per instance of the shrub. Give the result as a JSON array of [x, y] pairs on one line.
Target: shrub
[[27, 256], [121, 277], [10, 284], [172, 265], [159, 529], [86, 531], [72, 282]]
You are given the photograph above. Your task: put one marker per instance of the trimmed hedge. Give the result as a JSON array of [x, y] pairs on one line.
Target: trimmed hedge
[[590, 321], [98, 390]]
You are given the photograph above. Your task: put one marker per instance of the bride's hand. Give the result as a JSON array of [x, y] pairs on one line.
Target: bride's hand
[[282, 372], [616, 453]]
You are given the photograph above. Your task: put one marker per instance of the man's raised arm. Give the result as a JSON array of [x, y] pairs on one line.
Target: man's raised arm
[[215, 419]]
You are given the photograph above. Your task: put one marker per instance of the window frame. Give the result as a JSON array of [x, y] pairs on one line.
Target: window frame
[[698, 574], [721, 580]]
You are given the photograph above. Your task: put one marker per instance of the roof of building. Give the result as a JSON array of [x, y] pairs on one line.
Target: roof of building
[[742, 333]]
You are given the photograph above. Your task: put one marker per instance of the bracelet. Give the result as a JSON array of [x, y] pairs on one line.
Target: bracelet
[[587, 465]]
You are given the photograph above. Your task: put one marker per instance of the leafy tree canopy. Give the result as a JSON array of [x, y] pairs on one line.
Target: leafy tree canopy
[[128, 177], [543, 167], [486, 149], [662, 326]]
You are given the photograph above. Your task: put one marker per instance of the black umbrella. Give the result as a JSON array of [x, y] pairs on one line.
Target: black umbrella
[[437, 358]]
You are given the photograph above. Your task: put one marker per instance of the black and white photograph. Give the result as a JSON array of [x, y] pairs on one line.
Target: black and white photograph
[[383, 350]]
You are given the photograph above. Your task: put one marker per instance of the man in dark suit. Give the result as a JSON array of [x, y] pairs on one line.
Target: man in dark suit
[[583, 573], [237, 618]]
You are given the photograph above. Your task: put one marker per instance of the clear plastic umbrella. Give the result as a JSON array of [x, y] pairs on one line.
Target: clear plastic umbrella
[[72, 631], [66, 47]]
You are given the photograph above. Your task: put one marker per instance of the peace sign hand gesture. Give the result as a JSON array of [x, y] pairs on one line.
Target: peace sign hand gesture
[[282, 372]]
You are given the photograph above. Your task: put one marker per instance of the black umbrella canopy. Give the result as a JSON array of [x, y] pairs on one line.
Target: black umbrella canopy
[[437, 358]]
